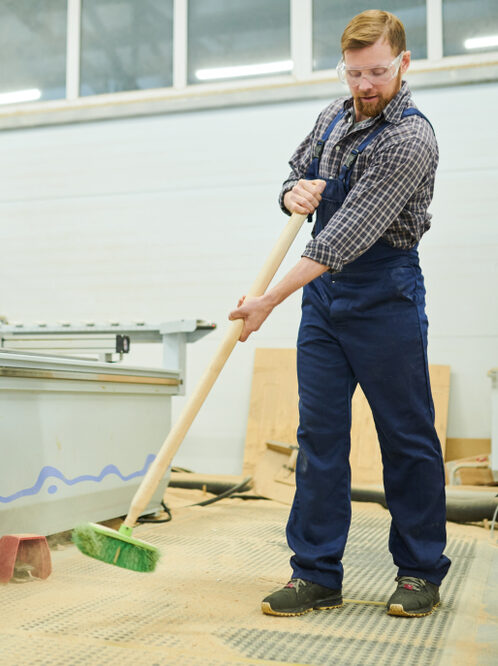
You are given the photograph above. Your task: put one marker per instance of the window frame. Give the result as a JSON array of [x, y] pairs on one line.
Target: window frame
[[302, 83]]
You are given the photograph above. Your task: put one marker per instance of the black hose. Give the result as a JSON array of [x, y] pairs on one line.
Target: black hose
[[462, 506], [216, 487], [471, 509]]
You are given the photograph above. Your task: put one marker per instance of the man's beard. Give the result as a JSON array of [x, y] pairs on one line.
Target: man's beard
[[372, 109]]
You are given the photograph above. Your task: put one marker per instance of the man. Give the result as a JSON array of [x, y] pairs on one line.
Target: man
[[367, 170]]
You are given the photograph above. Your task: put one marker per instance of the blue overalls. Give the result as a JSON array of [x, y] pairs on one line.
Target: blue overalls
[[367, 325]]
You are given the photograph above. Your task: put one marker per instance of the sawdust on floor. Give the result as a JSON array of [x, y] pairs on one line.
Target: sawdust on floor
[[202, 605]]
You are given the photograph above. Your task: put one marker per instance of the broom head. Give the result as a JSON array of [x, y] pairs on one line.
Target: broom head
[[117, 548]]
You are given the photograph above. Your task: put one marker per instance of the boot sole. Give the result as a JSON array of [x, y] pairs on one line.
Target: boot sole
[[397, 609], [268, 610]]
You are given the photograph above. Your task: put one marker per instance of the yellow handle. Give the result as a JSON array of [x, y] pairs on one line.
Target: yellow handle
[[177, 433]]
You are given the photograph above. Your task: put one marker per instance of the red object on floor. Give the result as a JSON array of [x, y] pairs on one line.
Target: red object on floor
[[25, 548]]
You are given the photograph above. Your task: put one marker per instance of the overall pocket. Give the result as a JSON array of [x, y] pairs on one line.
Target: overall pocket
[[408, 283]]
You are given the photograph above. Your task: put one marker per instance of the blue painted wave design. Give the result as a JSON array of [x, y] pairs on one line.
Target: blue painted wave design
[[52, 472]]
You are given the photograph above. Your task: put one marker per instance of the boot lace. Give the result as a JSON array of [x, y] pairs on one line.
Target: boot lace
[[296, 583], [410, 583]]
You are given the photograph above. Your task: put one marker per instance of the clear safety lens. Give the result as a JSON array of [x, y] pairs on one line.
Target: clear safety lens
[[380, 74]]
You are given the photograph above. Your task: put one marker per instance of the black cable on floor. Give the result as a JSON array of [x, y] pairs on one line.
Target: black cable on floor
[[227, 493], [167, 510], [249, 497], [231, 492]]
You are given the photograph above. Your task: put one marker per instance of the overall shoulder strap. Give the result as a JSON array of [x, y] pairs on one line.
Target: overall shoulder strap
[[318, 150], [411, 111], [351, 158], [347, 167]]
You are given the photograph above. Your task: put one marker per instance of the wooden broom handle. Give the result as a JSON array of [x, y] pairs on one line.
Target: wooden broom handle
[[177, 433]]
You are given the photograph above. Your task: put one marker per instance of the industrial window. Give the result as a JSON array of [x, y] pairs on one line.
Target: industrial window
[[33, 50], [331, 16], [469, 27], [162, 52], [229, 39], [126, 45]]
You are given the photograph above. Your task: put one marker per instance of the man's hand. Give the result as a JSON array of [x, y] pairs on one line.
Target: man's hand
[[304, 196], [253, 311], [256, 309]]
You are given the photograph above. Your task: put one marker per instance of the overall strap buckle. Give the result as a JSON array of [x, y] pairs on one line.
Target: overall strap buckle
[[318, 149], [351, 158]]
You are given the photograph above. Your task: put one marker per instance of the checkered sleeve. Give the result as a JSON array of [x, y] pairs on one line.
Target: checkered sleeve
[[396, 177], [301, 159], [299, 163]]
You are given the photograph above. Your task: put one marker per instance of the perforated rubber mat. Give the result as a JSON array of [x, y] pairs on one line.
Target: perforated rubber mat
[[202, 605]]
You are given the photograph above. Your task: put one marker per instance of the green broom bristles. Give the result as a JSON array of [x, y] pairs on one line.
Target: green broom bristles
[[116, 548]]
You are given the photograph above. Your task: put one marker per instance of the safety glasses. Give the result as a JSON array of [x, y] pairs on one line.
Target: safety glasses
[[379, 74]]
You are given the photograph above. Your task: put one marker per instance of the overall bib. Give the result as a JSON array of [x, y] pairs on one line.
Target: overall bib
[[366, 325]]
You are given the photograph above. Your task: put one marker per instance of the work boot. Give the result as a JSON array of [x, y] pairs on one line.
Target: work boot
[[414, 597], [299, 597]]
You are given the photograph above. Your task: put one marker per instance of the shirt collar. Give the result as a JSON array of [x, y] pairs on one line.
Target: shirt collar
[[392, 112]]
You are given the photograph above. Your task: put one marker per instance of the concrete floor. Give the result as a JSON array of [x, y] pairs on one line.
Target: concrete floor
[[202, 604]]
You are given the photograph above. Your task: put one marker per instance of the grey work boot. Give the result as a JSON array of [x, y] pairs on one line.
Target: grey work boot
[[299, 597], [414, 597]]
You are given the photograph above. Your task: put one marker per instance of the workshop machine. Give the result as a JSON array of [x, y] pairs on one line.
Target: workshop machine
[[79, 427]]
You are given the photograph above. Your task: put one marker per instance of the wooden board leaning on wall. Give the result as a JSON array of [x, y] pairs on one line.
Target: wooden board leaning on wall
[[273, 414]]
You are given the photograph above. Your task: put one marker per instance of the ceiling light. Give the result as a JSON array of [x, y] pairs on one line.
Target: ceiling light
[[29, 95], [481, 42], [244, 70]]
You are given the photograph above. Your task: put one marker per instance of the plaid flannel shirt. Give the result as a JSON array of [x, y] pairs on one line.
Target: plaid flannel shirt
[[392, 181]]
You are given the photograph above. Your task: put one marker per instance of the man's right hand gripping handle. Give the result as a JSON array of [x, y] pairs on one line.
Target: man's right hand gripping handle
[[304, 196]]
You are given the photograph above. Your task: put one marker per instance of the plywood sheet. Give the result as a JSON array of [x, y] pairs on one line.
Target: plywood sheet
[[273, 414], [440, 386], [273, 409], [366, 463], [273, 476], [459, 447]]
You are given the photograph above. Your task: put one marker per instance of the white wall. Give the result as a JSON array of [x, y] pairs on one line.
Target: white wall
[[159, 218]]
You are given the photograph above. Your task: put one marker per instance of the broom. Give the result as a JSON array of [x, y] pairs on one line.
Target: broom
[[119, 547]]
